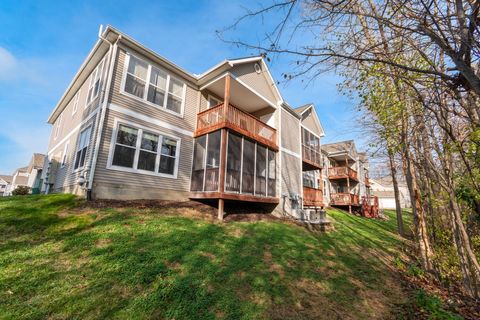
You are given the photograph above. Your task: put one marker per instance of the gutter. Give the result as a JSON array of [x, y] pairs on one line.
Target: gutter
[[101, 118]]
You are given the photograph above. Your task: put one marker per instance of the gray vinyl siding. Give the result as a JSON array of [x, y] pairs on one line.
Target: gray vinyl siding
[[290, 132], [311, 123], [70, 120], [71, 124], [187, 122], [291, 182], [259, 82], [103, 175], [66, 176]]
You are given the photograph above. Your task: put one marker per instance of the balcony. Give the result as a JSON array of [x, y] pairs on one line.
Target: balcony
[[312, 197], [344, 199], [337, 173], [222, 116]]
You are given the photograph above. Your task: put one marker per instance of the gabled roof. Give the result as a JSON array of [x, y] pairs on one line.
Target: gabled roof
[[303, 111], [36, 162], [338, 147], [6, 178], [114, 35]]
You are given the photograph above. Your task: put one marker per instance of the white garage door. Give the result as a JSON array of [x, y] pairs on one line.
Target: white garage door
[[386, 203]]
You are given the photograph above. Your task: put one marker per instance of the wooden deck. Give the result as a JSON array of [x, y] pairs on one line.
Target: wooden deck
[[228, 116], [312, 197], [344, 199], [233, 196], [338, 173], [370, 206]]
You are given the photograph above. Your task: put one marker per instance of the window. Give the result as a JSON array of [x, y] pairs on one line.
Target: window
[[153, 85], [212, 102], [94, 84], [144, 151], [65, 154], [59, 123], [82, 148], [75, 102], [136, 77]]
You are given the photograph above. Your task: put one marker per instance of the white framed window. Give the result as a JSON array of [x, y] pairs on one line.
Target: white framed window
[[65, 154], [139, 149], [95, 83], [212, 101], [75, 102], [153, 85], [58, 125], [82, 148]]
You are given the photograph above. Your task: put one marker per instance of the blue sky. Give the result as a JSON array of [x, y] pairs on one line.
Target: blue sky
[[43, 43]]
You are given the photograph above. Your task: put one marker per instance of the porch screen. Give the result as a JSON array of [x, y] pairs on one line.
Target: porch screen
[[261, 171], [234, 163], [248, 174], [198, 163], [271, 174], [213, 161]]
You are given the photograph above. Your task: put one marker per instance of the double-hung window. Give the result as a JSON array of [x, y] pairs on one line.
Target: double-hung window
[[144, 151], [95, 83], [82, 148], [75, 102], [153, 85]]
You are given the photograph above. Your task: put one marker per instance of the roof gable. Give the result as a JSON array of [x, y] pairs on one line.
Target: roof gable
[[310, 119]]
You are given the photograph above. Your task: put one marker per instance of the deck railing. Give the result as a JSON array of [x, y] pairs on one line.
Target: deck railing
[[344, 199], [312, 197], [342, 173], [221, 116]]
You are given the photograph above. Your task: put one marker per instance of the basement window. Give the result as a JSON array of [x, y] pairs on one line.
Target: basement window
[[82, 148]]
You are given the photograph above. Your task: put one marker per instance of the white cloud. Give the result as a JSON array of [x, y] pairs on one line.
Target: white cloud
[[8, 64]]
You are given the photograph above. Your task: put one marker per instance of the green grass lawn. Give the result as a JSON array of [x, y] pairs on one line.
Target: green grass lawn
[[60, 260]]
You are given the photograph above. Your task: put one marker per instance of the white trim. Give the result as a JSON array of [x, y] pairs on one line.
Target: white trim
[[290, 152], [244, 60], [147, 85], [148, 119], [73, 131], [110, 166]]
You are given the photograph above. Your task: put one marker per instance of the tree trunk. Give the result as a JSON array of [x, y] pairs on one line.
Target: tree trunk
[[398, 207]]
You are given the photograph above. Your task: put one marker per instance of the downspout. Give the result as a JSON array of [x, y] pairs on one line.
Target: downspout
[[101, 118]]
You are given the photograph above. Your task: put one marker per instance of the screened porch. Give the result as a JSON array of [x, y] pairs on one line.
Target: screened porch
[[248, 173]]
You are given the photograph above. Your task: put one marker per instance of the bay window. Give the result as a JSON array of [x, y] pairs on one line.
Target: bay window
[[153, 85], [142, 150]]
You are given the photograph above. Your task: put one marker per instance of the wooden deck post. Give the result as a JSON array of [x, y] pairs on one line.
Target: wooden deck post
[[220, 209], [223, 150], [348, 186]]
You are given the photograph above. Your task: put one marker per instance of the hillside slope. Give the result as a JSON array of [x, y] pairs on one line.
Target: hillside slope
[[62, 259]]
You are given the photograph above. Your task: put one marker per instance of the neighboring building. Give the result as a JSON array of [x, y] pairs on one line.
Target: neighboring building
[[346, 175], [19, 178], [5, 182], [133, 125], [383, 189], [35, 168]]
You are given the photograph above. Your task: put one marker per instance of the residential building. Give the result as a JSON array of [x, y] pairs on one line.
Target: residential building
[[35, 168], [5, 182], [346, 176], [133, 125], [19, 178]]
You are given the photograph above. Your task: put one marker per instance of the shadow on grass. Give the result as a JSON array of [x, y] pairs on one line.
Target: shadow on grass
[[148, 265]]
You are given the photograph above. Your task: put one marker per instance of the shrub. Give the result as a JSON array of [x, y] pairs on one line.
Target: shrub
[[21, 191]]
